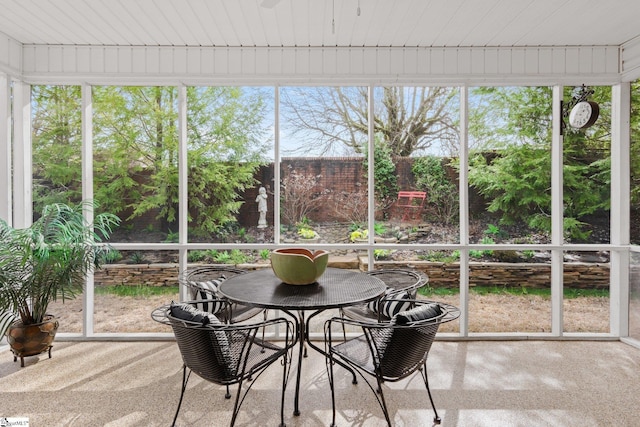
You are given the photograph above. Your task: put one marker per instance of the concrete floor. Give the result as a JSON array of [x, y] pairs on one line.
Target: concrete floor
[[475, 384]]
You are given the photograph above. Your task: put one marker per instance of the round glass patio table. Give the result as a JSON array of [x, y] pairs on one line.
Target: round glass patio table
[[336, 288]]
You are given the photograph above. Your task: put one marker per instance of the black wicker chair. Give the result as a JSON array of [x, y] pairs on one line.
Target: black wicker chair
[[398, 282], [226, 354], [389, 351], [202, 282]]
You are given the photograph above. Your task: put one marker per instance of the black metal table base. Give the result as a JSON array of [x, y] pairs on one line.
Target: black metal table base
[[302, 336]]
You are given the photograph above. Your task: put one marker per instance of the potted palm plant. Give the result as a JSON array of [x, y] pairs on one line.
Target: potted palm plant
[[45, 262]]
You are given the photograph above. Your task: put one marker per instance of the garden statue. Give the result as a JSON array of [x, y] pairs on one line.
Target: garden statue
[[262, 207]]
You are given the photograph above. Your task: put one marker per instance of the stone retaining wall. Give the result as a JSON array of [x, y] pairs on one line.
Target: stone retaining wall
[[576, 275], [137, 274], [581, 276]]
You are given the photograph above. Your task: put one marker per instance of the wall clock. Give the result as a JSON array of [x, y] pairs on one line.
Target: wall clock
[[584, 114]]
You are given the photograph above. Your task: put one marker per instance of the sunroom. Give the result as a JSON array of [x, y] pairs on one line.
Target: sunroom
[[335, 108]]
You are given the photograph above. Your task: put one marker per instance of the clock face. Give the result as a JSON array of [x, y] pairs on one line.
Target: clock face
[[583, 114]]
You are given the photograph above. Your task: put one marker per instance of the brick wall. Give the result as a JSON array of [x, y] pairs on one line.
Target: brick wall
[[337, 174]]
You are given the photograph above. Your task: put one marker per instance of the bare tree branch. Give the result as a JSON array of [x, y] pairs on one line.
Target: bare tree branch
[[335, 119]]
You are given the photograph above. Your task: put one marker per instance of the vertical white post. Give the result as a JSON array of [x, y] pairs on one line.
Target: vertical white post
[[620, 208], [5, 149], [87, 194], [183, 183], [22, 158], [464, 210], [371, 178], [557, 214], [276, 166], [276, 175]]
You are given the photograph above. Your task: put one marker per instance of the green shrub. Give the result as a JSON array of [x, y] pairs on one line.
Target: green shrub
[[137, 258], [113, 256], [442, 193], [380, 254], [358, 234], [379, 229], [385, 178], [307, 233], [195, 256], [485, 252], [238, 257], [440, 256], [172, 237]]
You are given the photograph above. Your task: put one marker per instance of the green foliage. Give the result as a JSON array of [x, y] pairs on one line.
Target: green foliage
[[57, 142], [384, 174], [113, 256], [196, 256], [136, 291], [356, 226], [528, 254], [506, 256], [307, 233], [441, 256], [358, 234], [238, 257], [379, 229], [569, 293], [264, 254], [304, 222], [381, 254], [51, 258], [517, 183], [486, 240], [234, 256], [442, 193], [222, 257], [635, 144], [212, 253], [172, 237], [137, 258], [494, 231], [516, 174], [136, 149], [429, 291]]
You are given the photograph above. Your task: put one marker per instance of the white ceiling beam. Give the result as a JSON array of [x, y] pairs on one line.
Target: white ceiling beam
[[478, 66]]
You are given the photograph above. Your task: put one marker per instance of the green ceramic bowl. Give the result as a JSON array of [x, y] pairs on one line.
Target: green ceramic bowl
[[298, 266]]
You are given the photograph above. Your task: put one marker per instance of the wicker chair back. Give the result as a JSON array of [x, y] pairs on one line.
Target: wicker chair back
[[228, 354]]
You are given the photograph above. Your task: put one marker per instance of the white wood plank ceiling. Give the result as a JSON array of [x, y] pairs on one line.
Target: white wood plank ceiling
[[316, 23]]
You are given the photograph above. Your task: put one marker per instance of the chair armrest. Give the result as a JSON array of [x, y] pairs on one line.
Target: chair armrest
[[160, 314]]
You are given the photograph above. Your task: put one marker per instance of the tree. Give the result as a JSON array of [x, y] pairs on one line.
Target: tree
[[136, 149], [57, 141], [335, 119], [635, 145], [512, 167], [226, 144]]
